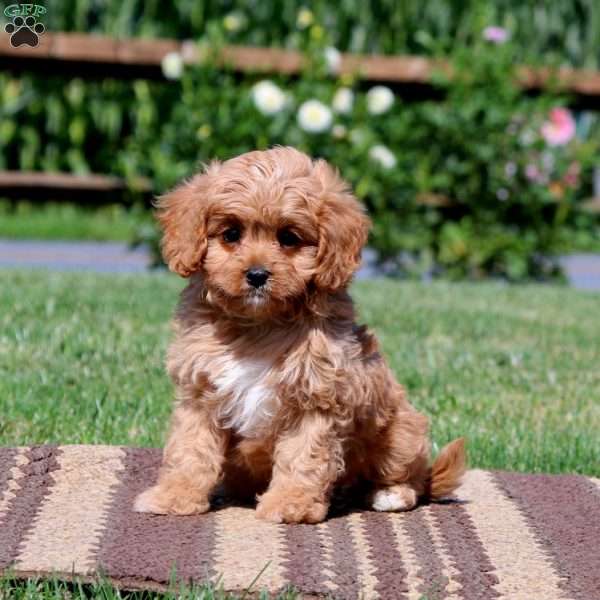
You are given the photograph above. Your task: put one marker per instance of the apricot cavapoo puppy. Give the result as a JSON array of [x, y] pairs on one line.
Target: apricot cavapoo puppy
[[280, 394]]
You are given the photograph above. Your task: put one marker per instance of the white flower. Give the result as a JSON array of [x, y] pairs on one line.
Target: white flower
[[343, 101], [548, 160], [527, 137], [234, 21], [204, 131], [357, 137], [502, 194], [510, 169], [379, 99], [314, 116], [172, 65], [382, 155], [339, 132], [304, 18], [333, 58], [268, 98], [195, 52]]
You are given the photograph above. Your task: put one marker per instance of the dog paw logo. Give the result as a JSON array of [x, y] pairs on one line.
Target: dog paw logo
[[24, 31]]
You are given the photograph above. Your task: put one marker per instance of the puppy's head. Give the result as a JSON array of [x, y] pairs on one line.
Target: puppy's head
[[264, 230]]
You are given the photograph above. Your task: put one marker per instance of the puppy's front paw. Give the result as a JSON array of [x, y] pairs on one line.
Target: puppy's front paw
[[291, 506], [162, 500]]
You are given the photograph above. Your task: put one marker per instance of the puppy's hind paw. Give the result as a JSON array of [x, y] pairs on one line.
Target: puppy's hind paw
[[394, 498], [164, 501]]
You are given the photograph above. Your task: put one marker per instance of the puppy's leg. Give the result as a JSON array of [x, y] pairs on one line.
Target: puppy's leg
[[248, 468], [192, 464], [399, 463], [307, 461]]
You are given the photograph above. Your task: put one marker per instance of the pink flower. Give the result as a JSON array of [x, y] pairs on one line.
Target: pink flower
[[532, 172], [571, 178], [495, 34], [560, 129]]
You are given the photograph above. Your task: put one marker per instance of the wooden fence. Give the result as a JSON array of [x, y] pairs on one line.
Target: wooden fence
[[91, 56]]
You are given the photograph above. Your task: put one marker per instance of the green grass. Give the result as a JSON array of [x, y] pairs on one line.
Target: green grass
[[116, 222], [54, 589], [514, 369], [66, 221]]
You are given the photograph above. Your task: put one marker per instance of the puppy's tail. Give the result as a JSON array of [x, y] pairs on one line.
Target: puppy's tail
[[447, 470]]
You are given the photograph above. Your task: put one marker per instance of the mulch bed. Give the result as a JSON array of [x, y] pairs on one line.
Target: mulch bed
[[67, 511]]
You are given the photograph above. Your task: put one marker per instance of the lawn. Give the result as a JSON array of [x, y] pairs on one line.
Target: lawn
[[118, 222], [67, 221], [56, 590], [514, 369]]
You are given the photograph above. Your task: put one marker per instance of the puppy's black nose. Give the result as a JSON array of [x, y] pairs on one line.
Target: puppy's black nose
[[257, 276]]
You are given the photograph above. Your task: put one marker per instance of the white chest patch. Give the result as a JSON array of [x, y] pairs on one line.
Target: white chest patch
[[249, 399]]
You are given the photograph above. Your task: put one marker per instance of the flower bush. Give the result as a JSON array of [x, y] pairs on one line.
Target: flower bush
[[480, 181], [485, 182], [567, 31]]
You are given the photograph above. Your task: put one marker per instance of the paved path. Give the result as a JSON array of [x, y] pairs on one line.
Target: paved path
[[583, 270], [107, 257]]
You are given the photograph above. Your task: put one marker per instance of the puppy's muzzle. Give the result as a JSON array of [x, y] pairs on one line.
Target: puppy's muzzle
[[257, 276]]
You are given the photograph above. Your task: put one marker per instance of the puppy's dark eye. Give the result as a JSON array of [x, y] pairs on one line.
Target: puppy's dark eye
[[288, 238], [232, 235]]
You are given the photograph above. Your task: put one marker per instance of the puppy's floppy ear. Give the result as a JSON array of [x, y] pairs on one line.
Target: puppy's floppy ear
[[182, 216], [343, 230]]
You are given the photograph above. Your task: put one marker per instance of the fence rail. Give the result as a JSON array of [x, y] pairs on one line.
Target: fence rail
[[94, 55], [85, 189], [83, 55]]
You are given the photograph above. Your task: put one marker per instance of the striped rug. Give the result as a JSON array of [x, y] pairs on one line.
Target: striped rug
[[66, 510]]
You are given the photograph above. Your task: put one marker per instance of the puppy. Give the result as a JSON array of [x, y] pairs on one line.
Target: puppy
[[279, 394]]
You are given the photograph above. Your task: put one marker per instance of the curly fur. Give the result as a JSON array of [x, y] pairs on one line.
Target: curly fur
[[279, 392]]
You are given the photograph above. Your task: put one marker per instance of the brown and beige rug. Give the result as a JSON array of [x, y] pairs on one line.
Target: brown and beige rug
[[66, 511]]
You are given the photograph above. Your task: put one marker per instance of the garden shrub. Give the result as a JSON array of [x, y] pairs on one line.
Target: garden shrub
[[487, 181], [563, 31], [481, 181]]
